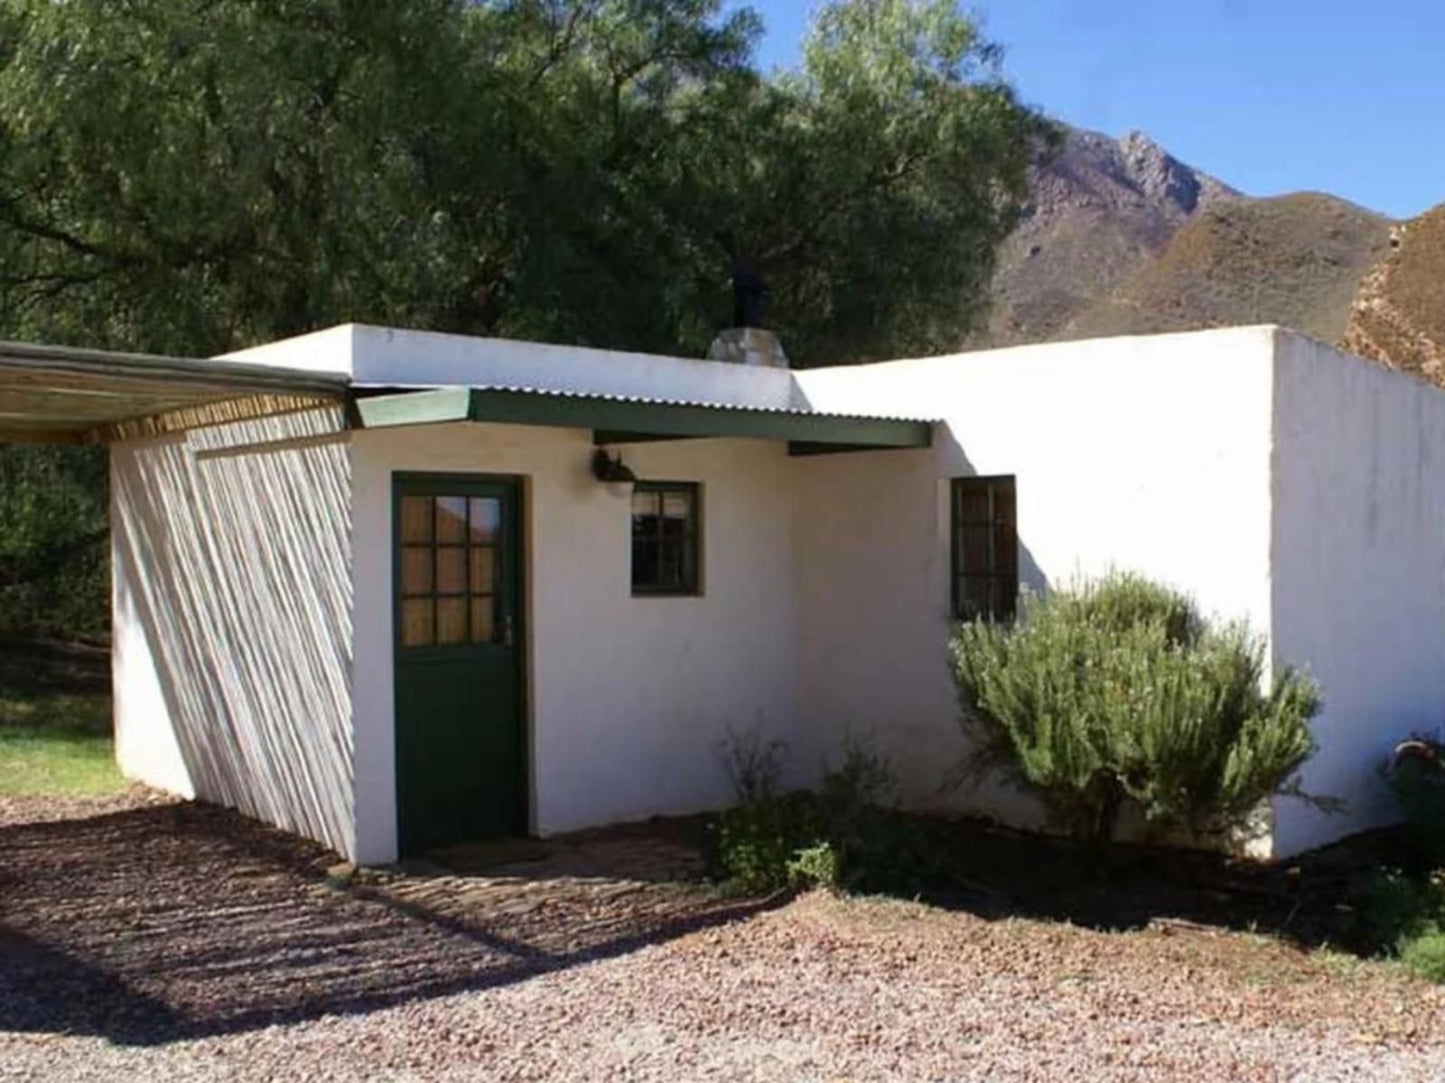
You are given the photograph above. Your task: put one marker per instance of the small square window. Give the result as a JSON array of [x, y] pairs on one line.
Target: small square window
[[985, 548], [665, 520], [449, 571]]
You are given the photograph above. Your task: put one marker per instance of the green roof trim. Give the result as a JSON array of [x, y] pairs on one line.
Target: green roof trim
[[627, 420]]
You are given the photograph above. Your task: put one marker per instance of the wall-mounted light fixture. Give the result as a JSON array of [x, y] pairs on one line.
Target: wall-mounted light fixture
[[611, 470]]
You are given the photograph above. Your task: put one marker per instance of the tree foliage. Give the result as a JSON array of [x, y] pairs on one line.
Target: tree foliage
[[52, 532], [195, 176], [1118, 693]]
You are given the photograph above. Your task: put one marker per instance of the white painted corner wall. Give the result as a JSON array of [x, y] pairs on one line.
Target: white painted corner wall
[[1147, 454], [1358, 590]]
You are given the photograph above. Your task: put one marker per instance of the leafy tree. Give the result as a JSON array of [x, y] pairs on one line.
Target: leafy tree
[[895, 165], [188, 176], [194, 176], [52, 531]]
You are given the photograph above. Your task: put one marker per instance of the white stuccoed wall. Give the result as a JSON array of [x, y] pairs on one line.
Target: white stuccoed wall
[[1359, 570], [1147, 454], [1275, 479], [231, 579], [630, 698]]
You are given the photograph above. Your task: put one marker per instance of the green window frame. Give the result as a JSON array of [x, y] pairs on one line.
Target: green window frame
[[985, 558], [666, 528]]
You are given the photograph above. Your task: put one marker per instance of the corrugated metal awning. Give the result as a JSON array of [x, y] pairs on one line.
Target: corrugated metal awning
[[58, 394], [618, 419]]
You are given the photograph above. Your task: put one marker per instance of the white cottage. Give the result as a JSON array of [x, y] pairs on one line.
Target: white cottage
[[392, 589]]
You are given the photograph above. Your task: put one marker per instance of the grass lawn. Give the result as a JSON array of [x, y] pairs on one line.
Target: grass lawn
[[55, 730]]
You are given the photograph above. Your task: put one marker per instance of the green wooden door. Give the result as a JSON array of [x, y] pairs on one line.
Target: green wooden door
[[460, 750]]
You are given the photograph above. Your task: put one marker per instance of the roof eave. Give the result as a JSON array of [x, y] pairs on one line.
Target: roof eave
[[624, 421]]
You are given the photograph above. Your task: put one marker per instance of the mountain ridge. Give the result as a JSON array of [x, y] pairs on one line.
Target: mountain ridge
[[1121, 237]]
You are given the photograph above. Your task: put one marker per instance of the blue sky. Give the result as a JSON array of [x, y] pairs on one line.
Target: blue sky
[[1271, 96]]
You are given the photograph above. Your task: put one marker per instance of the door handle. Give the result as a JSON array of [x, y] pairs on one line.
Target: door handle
[[507, 630]]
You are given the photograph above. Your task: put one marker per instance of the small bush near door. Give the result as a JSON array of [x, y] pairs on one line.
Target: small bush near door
[[845, 835], [1119, 693]]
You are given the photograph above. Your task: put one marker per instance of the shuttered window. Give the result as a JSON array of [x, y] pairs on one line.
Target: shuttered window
[[985, 548]]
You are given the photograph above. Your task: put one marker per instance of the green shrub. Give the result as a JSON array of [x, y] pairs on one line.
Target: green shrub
[[1424, 954], [1118, 692], [817, 865], [757, 842], [1395, 907], [754, 765], [844, 835], [1404, 916], [1416, 776], [757, 838]]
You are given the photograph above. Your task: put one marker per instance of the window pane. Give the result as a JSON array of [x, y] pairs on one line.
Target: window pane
[[669, 564], [972, 500], [415, 519], [646, 504], [673, 531], [416, 570], [975, 597], [451, 620], [483, 559], [1005, 550], [483, 620], [486, 517], [644, 562], [452, 570], [1005, 597], [1003, 501], [973, 550], [677, 505], [416, 622], [451, 518]]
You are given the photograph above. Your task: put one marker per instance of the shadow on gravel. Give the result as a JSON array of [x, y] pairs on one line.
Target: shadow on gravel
[[993, 872], [182, 921]]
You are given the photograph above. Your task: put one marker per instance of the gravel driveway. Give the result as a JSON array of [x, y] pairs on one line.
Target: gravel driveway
[[158, 940]]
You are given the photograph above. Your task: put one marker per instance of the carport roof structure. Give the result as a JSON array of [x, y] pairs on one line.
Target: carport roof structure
[[54, 394], [65, 395]]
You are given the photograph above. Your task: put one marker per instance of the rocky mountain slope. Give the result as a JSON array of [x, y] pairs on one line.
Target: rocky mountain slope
[[1123, 238], [1398, 317], [1101, 208], [1294, 260]]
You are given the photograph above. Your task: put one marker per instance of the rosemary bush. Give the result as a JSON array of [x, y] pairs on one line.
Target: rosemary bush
[[1118, 692]]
